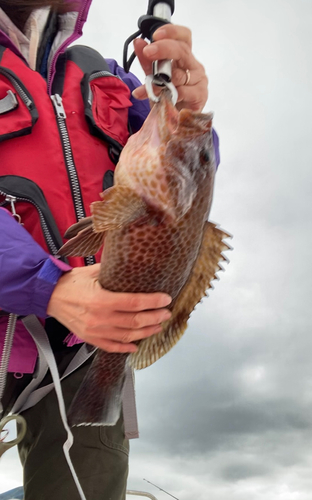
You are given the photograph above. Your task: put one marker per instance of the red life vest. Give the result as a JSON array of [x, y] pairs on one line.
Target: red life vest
[[57, 153]]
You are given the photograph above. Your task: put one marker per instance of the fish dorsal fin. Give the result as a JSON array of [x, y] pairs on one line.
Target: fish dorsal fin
[[203, 273], [120, 206], [86, 243]]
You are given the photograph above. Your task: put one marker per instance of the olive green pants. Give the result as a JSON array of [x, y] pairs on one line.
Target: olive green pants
[[99, 454]]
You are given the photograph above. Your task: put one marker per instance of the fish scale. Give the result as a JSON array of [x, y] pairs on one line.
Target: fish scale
[[157, 239]]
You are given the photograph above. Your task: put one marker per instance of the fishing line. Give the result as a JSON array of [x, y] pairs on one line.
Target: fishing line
[[160, 489]]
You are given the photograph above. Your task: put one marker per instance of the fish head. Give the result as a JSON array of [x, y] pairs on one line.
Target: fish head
[[167, 161]]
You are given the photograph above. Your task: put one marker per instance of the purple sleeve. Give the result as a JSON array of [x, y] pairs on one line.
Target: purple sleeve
[[140, 109], [28, 274]]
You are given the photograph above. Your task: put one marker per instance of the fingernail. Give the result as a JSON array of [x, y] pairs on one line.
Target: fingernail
[[136, 93], [166, 315], [150, 50], [167, 300]]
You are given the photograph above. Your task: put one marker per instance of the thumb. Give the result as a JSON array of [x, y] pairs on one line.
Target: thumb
[[92, 271], [146, 64]]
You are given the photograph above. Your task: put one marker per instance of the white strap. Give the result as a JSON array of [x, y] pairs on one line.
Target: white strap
[[29, 397], [8, 102], [22, 401], [39, 335]]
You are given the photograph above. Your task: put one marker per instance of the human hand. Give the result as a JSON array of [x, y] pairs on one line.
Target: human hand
[[175, 43], [109, 320]]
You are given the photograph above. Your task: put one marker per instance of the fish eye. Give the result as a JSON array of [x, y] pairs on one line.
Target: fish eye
[[204, 156]]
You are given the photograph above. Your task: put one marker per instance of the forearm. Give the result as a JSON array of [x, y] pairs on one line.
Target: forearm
[[28, 274]]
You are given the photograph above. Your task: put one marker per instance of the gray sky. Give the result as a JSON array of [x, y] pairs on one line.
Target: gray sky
[[227, 413]]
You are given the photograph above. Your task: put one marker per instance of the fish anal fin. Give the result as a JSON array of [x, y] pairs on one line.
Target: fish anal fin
[[203, 273], [86, 243], [120, 206]]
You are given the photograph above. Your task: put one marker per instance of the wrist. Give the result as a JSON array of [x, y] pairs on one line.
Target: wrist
[[47, 279]]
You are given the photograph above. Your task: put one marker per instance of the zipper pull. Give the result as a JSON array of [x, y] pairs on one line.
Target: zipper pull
[[58, 106], [12, 200]]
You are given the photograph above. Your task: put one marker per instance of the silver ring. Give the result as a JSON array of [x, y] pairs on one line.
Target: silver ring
[[188, 77]]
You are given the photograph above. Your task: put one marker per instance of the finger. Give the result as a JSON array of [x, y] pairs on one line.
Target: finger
[[134, 302], [171, 49], [139, 45], [121, 339], [92, 271], [174, 32], [123, 335], [126, 336], [180, 77], [193, 98], [111, 346], [134, 321], [140, 93]]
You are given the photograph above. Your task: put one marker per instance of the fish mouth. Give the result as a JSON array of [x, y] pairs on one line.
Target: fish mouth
[[159, 162], [168, 120]]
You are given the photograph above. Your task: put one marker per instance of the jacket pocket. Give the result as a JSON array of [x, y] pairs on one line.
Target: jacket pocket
[[107, 100], [18, 112], [26, 198]]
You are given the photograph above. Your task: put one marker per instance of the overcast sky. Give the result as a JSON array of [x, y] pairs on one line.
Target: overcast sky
[[227, 414]]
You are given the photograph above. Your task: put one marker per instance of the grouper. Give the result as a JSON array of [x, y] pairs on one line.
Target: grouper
[[157, 238]]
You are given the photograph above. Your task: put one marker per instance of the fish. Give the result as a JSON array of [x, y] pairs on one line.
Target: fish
[[153, 223]]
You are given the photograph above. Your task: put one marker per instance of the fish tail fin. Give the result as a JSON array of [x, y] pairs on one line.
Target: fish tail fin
[[98, 400]]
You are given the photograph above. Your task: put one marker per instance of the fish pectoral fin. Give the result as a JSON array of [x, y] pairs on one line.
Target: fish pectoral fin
[[120, 206], [86, 243], [203, 273], [79, 226]]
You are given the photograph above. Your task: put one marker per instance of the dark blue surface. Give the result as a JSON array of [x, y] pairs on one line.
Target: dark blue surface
[[17, 493]]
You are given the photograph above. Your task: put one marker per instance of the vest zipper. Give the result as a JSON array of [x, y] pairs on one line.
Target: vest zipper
[[69, 162], [18, 87], [98, 74], [5, 358], [49, 240]]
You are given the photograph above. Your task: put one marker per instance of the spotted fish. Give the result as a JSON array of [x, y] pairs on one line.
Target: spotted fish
[[157, 239]]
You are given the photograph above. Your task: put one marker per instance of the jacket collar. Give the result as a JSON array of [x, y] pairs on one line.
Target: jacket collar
[[26, 42], [70, 29]]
